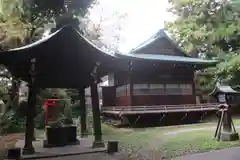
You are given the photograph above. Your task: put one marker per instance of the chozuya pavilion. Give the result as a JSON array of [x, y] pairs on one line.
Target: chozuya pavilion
[[157, 77]]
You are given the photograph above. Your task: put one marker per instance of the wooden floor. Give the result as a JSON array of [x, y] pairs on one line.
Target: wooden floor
[[131, 110]]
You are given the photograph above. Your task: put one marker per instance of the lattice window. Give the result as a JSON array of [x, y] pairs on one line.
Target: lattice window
[[156, 89], [140, 86], [173, 89], [186, 89], [171, 86], [140, 89], [121, 91], [155, 86]]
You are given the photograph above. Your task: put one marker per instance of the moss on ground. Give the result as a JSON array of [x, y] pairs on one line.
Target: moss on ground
[[168, 146]]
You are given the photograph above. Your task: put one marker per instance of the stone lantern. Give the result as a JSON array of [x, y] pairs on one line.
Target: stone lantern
[[225, 129]]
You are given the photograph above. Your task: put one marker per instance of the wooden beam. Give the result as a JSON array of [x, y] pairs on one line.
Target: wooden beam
[[83, 112], [98, 143]]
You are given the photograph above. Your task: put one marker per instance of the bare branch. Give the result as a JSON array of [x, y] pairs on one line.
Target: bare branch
[[5, 76]]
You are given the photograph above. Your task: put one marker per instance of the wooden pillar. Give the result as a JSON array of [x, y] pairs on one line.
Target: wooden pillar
[[194, 87], [96, 118], [98, 143], [130, 81], [131, 101], [37, 91], [29, 131], [227, 122], [83, 112]]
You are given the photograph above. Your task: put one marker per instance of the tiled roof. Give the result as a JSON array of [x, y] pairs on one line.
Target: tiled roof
[[223, 89], [158, 57]]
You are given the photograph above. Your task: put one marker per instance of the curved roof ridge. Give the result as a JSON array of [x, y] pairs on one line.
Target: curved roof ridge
[[48, 37]]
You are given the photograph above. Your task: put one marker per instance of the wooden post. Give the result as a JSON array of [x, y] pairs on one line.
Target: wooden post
[[227, 122], [98, 143], [35, 112], [96, 118], [29, 131], [130, 83], [225, 128], [83, 112]]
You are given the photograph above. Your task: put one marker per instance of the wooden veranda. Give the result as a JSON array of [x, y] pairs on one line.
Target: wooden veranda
[[131, 110], [157, 114]]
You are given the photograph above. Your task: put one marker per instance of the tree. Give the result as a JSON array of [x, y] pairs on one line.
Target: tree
[[210, 28], [103, 31], [207, 26], [24, 21]]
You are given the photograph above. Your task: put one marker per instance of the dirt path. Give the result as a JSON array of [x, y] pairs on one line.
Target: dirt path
[[191, 130]]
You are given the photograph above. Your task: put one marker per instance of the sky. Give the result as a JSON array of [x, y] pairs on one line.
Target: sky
[[143, 19]]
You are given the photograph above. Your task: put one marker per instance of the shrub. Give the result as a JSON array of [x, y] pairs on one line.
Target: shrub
[[12, 122], [40, 119]]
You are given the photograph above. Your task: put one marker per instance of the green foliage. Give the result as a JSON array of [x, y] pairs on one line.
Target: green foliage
[[73, 93], [211, 27], [75, 109], [63, 108], [24, 21], [208, 26], [3, 89], [228, 71], [40, 119], [11, 122]]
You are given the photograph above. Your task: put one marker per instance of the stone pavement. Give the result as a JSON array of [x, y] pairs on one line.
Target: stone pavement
[[85, 147], [224, 154], [92, 156]]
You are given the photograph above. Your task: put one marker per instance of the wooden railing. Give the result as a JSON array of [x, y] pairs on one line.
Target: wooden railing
[[160, 108]]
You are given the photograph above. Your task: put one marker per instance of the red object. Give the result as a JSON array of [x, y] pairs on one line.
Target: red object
[[49, 103]]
